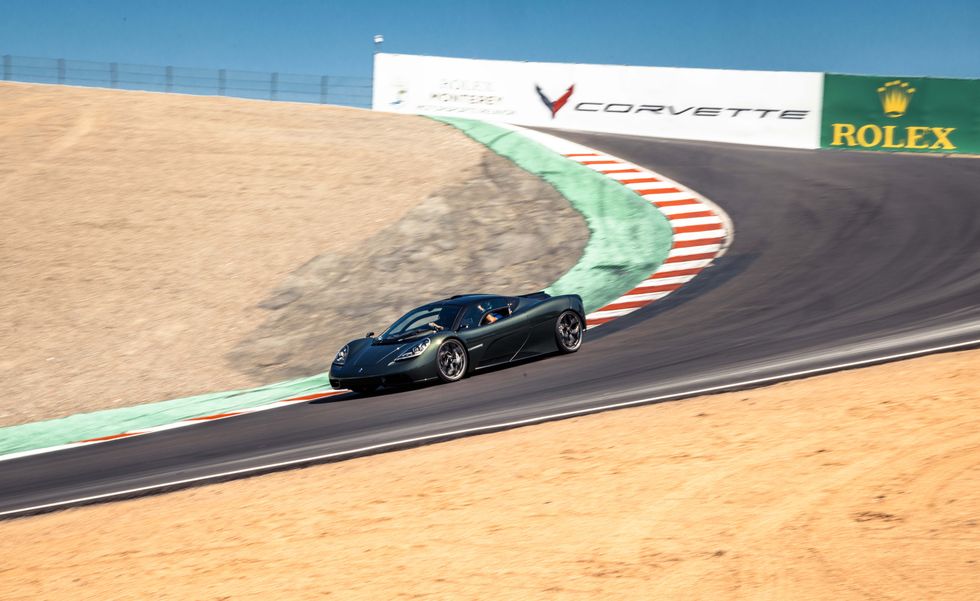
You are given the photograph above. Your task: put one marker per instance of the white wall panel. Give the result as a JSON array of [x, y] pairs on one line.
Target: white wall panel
[[769, 108]]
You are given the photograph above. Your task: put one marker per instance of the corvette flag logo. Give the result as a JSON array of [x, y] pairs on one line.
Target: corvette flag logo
[[556, 105]]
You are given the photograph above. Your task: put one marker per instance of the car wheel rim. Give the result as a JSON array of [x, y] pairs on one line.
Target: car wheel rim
[[570, 331], [452, 361]]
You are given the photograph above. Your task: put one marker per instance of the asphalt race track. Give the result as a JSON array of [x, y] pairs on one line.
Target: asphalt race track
[[838, 258]]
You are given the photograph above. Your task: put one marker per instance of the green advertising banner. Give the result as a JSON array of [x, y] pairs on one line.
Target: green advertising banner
[[901, 114]]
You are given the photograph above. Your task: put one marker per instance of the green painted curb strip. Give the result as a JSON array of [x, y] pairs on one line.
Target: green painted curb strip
[[629, 240], [82, 426]]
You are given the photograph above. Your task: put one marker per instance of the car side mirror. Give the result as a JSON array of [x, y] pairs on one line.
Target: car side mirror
[[369, 335]]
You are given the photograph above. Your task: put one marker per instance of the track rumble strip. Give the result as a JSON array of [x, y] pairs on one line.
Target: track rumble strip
[[702, 232], [179, 424]]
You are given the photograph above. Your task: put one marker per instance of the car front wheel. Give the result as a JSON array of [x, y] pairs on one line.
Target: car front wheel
[[451, 360]]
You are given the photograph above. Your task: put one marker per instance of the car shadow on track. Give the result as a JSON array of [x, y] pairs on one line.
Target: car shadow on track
[[383, 392]]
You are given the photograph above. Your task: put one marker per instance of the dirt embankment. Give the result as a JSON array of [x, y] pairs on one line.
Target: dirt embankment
[[140, 233], [858, 485], [498, 231]]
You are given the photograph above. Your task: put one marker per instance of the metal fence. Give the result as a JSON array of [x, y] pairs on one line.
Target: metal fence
[[322, 89]]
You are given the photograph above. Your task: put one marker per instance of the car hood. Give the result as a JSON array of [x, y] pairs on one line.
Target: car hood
[[366, 353]]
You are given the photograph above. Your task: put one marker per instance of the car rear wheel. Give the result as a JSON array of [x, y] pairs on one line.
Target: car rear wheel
[[568, 331], [451, 360]]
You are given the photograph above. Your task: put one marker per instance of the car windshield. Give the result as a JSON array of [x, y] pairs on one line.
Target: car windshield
[[424, 320]]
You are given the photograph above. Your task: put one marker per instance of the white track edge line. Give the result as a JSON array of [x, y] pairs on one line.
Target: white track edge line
[[501, 425]]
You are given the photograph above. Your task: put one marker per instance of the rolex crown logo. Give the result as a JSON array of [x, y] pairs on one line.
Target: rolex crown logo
[[895, 97]]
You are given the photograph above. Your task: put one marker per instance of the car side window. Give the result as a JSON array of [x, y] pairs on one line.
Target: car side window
[[497, 309], [471, 317], [485, 312]]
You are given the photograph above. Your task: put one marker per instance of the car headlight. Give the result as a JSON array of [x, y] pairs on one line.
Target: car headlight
[[341, 357], [415, 351]]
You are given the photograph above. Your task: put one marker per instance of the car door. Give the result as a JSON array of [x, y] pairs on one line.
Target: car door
[[490, 343]]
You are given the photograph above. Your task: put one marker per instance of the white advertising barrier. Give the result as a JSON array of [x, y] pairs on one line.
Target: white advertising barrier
[[768, 108]]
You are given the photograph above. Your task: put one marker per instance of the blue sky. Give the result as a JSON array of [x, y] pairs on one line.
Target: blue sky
[[888, 37]]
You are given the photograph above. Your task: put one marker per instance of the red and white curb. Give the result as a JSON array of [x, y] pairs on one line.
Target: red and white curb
[[701, 233]]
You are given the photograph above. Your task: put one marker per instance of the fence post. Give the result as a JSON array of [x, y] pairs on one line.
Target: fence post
[[113, 74], [274, 86], [222, 81], [170, 78], [61, 70], [7, 66], [323, 89]]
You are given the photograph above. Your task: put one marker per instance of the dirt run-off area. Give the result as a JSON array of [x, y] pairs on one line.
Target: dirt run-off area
[[155, 246], [858, 485]]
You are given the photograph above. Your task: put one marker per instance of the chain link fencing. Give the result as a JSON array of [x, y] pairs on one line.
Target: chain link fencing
[[291, 87]]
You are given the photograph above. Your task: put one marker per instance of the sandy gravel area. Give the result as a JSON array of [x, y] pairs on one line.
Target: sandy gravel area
[[858, 485], [139, 232]]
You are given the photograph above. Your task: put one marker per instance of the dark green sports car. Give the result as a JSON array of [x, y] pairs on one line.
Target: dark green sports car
[[451, 338]]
